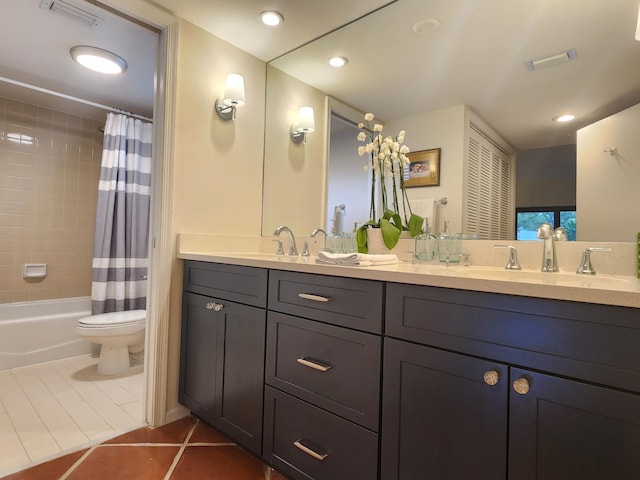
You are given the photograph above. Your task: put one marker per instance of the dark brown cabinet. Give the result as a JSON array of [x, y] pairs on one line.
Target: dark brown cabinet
[[339, 378], [441, 418], [222, 351], [486, 394], [322, 400]]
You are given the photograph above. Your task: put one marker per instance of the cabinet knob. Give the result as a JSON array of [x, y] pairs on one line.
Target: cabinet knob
[[521, 386], [491, 377], [216, 307]]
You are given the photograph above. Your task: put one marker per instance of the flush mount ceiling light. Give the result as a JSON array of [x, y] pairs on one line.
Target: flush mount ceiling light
[[98, 60], [338, 61], [567, 117], [271, 18]]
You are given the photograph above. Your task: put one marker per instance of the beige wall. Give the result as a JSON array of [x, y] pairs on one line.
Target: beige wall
[[607, 193], [294, 174], [48, 191], [217, 165], [444, 129]]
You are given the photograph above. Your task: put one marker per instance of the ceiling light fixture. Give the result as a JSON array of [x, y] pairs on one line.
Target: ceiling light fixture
[[567, 117], [271, 18], [338, 61], [98, 60]]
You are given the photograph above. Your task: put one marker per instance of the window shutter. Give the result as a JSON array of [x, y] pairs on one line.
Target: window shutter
[[488, 188]]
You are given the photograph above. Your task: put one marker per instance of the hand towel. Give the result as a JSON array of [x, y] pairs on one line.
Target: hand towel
[[356, 259], [425, 207]]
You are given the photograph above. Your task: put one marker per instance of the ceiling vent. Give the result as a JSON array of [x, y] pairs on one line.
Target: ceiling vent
[[551, 60], [72, 12]]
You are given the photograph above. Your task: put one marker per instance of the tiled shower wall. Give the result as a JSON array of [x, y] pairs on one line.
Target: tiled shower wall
[[49, 172]]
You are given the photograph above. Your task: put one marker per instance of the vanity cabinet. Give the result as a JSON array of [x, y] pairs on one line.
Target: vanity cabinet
[[222, 348], [488, 386], [322, 398]]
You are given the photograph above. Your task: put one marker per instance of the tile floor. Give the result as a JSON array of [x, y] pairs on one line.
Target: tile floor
[[186, 449], [61, 406]]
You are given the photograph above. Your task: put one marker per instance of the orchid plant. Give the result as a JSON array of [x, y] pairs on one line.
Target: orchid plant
[[388, 159]]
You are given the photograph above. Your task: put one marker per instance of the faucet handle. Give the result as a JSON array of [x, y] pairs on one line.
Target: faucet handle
[[512, 263], [585, 267]]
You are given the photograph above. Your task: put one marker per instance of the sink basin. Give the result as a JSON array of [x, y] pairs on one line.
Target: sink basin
[[557, 278]]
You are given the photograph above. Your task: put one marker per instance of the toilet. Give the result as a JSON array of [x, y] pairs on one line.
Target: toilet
[[121, 336]]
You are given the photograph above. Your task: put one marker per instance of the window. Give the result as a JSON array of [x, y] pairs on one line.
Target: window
[[529, 219]]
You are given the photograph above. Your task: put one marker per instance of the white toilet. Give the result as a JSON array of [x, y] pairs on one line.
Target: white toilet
[[120, 334]]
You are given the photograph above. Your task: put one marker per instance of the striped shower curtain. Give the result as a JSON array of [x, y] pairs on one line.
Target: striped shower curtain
[[121, 239]]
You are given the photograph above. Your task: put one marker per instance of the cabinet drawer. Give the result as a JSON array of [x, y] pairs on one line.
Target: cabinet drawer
[[351, 451], [241, 284], [341, 301], [597, 343], [335, 368]]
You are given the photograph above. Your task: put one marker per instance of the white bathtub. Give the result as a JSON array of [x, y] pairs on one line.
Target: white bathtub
[[41, 331]]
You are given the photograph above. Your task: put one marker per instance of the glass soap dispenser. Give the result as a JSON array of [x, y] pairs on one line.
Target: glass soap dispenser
[[426, 245]]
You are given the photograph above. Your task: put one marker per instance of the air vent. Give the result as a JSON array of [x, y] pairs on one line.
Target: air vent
[[72, 12], [551, 60]]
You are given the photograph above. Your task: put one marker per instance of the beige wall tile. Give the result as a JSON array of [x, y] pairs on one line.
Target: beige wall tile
[[48, 193]]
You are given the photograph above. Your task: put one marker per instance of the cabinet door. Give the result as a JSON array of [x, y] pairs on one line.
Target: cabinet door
[[562, 429], [440, 418], [201, 330], [240, 374]]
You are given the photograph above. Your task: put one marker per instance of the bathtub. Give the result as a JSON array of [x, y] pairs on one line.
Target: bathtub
[[41, 331]]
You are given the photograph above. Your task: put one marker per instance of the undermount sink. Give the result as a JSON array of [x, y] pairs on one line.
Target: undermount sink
[[556, 278]]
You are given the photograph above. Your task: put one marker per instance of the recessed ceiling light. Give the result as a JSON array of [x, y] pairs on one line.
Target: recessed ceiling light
[[98, 60], [338, 61], [564, 118], [271, 18]]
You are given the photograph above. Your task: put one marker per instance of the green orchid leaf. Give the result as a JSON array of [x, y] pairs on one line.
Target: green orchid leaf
[[361, 239], [415, 224], [390, 234]]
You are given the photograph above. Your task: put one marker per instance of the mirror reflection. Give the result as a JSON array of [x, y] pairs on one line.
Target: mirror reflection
[[473, 66]]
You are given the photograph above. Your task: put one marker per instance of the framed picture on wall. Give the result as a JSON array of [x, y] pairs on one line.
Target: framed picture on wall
[[423, 169]]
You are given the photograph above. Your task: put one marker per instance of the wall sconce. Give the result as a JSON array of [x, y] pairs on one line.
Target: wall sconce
[[306, 124], [233, 97]]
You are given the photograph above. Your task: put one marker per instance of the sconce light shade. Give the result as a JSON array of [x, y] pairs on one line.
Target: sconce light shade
[[306, 124], [233, 97]]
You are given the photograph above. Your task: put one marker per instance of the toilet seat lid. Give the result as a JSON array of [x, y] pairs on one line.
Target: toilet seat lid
[[114, 318]]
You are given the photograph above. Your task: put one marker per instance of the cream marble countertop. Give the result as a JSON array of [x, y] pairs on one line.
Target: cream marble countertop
[[622, 290]]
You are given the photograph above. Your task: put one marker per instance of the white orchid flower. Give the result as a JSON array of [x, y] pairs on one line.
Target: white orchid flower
[[377, 127], [362, 136], [404, 149], [362, 150], [369, 117]]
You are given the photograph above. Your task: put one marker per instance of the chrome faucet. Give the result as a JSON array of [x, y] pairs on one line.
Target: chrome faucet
[[293, 250], [305, 250], [550, 236]]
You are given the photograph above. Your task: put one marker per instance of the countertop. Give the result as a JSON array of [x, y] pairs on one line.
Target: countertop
[[620, 290]]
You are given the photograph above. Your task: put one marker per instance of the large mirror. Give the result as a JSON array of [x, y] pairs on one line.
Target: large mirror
[[415, 57]]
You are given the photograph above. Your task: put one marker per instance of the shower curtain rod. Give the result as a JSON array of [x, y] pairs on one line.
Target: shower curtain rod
[[75, 99]]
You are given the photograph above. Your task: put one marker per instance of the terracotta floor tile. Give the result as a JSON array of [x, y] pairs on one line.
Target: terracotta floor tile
[[218, 463], [277, 476], [49, 470], [206, 434], [126, 463], [174, 432]]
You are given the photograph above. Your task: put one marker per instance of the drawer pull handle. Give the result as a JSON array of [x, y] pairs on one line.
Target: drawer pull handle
[[216, 307], [521, 386], [315, 298], [491, 377], [315, 364], [309, 451]]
